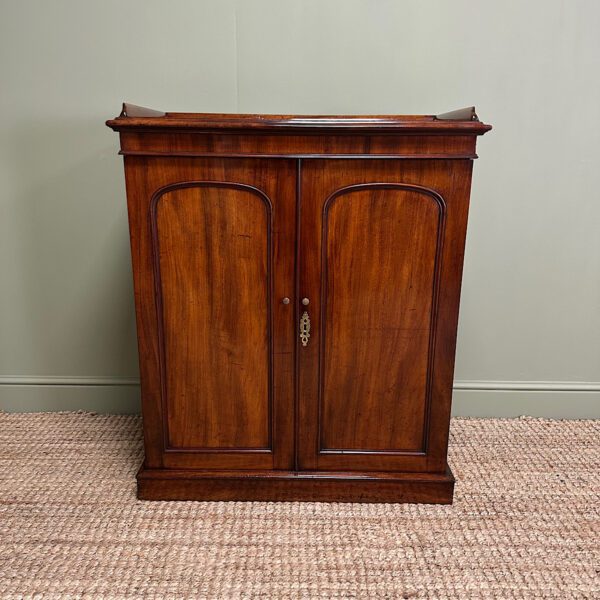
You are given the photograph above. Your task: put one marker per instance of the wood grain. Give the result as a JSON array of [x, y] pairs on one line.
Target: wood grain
[[414, 430], [318, 145], [379, 256], [282, 486], [213, 243], [139, 118], [365, 218], [231, 211]]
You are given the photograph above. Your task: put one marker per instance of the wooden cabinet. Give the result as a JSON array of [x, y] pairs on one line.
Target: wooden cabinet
[[297, 282]]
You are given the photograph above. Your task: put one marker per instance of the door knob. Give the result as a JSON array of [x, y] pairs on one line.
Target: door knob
[[305, 301], [285, 300]]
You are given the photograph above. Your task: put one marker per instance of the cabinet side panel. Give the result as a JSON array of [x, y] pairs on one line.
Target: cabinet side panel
[[137, 176], [213, 271], [380, 252]]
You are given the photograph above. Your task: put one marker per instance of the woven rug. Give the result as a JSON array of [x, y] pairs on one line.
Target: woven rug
[[525, 523]]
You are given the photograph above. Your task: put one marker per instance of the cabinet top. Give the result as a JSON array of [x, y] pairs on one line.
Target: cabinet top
[[463, 121]]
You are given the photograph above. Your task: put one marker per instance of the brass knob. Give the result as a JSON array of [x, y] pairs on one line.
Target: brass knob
[[305, 301], [285, 300]]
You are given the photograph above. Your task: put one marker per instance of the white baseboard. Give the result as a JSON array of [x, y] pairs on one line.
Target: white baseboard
[[551, 399]]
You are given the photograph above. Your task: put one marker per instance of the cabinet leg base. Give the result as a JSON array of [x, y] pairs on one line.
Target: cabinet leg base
[[290, 486]]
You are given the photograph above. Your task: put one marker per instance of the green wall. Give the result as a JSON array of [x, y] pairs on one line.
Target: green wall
[[529, 339]]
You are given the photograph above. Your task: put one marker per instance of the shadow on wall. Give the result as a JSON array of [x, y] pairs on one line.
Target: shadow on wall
[[69, 263]]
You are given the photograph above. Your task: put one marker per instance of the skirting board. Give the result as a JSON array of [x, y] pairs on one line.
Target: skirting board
[[550, 399], [109, 395]]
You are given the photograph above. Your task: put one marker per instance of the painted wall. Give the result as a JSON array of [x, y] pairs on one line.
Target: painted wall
[[529, 340]]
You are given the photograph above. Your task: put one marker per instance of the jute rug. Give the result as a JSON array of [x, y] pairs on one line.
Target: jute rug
[[525, 523]]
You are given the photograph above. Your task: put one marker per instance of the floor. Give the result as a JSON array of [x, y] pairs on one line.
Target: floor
[[525, 523]]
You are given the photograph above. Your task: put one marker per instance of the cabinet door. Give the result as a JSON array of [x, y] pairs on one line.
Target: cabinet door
[[381, 256], [219, 253]]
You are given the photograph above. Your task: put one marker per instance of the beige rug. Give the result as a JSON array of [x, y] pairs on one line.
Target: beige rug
[[525, 523]]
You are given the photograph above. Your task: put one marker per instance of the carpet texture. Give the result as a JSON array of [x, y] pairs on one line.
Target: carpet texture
[[525, 523]]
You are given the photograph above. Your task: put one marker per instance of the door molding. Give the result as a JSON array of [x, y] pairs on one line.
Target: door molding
[[158, 295], [441, 226]]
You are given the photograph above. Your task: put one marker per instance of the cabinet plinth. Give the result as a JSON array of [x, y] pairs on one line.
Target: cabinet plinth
[[297, 284]]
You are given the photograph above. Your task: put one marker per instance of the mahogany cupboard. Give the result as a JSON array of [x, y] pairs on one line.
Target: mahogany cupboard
[[297, 283]]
